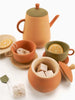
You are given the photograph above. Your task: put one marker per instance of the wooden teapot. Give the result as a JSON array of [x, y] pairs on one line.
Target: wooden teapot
[[37, 26]]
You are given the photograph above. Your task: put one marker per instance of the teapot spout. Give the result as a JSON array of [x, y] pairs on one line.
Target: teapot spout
[[53, 20]]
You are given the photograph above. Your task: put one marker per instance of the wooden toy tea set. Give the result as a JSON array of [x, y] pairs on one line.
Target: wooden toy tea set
[[44, 73]]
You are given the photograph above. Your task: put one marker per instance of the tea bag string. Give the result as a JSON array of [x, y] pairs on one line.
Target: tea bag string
[[10, 87], [15, 46]]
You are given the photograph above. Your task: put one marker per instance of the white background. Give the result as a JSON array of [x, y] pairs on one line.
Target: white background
[[11, 11]]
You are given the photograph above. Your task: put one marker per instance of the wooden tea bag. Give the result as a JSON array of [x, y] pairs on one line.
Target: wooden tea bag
[[22, 51], [18, 90]]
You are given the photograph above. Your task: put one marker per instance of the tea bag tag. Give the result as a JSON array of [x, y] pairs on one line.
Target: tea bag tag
[[4, 79]]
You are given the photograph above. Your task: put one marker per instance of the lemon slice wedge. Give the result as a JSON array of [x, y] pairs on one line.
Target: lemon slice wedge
[[5, 43], [55, 48]]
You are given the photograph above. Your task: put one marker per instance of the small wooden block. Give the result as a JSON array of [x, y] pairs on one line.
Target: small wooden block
[[41, 74], [22, 51], [49, 73], [19, 90], [42, 67]]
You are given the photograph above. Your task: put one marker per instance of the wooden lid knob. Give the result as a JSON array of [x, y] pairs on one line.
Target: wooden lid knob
[[37, 5]]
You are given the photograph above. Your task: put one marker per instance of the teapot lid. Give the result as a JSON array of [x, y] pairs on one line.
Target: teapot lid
[[37, 12]]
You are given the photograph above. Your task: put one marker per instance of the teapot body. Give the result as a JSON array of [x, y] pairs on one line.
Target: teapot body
[[37, 26], [37, 29]]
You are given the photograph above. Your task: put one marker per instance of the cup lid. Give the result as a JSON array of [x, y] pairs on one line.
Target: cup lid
[[37, 12], [66, 71]]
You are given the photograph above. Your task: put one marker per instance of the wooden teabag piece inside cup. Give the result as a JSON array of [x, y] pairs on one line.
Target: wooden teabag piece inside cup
[[21, 51]]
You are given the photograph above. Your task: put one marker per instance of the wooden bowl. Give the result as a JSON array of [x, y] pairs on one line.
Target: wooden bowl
[[43, 84], [58, 57], [26, 44]]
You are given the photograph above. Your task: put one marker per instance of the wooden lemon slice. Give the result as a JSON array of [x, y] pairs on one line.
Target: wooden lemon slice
[[55, 48], [4, 37], [5, 43]]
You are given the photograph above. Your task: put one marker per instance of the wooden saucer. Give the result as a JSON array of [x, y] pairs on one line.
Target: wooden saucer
[[22, 66], [65, 61]]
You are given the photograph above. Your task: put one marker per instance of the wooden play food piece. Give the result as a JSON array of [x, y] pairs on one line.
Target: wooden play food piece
[[49, 73], [5, 43], [22, 51], [41, 74], [42, 71], [18, 90], [55, 48], [42, 67], [44, 84], [37, 26], [45, 74]]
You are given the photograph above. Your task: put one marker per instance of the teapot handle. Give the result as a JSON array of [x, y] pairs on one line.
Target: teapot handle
[[19, 24]]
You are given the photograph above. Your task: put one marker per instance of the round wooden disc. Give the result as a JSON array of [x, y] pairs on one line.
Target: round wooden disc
[[65, 61], [22, 66], [3, 37]]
